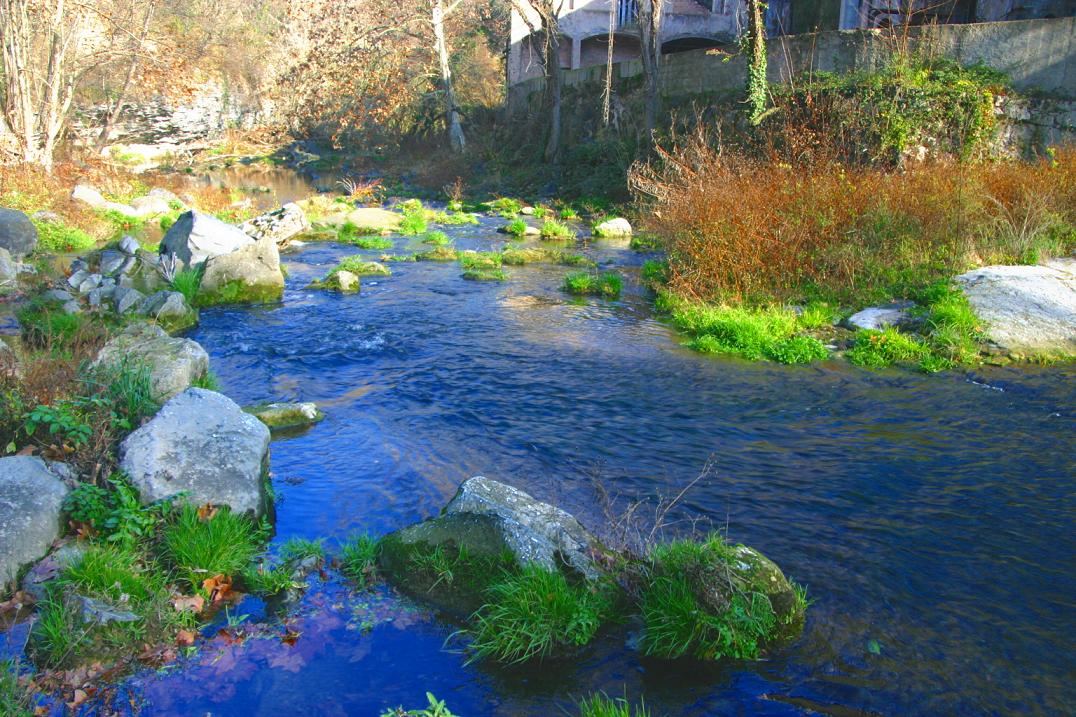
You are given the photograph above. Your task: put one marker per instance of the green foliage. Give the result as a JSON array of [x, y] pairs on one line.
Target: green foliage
[[16, 700], [57, 636], [537, 614], [440, 253], [167, 220], [519, 257], [505, 206], [121, 222], [208, 381], [953, 331], [437, 708], [358, 558], [413, 224], [187, 282], [601, 705], [115, 574], [878, 349], [45, 324], [129, 523], [436, 239], [485, 275], [64, 423], [301, 549], [480, 259], [59, 238], [411, 206], [517, 227], [552, 229], [360, 267], [198, 548], [655, 272], [88, 503], [763, 333], [678, 623], [126, 385], [568, 213], [584, 283], [368, 242], [454, 218], [268, 581], [816, 315], [645, 242]]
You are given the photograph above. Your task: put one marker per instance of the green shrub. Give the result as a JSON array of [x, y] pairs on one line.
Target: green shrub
[[59, 238], [413, 224], [198, 548], [878, 349], [358, 559], [655, 272], [536, 614], [601, 705], [585, 283], [88, 503], [552, 229]]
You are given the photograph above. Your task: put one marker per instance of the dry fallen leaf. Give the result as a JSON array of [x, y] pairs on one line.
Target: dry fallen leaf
[[217, 587], [185, 638], [79, 698], [206, 512], [185, 602]]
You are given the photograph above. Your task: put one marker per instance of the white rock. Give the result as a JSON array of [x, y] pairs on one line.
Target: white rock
[[877, 318], [618, 227]]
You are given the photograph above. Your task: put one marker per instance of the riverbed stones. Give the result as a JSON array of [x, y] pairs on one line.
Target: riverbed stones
[[17, 233], [173, 363], [877, 318], [126, 299], [88, 195], [196, 237], [203, 445], [150, 206], [250, 274], [280, 225], [31, 512], [9, 272], [129, 245], [1027, 311], [613, 228], [170, 309], [111, 261], [286, 416]]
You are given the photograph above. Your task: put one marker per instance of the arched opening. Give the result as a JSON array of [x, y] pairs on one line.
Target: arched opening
[[595, 50], [686, 44]]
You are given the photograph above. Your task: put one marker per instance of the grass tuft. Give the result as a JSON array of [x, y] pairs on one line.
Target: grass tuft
[[552, 229], [601, 705], [584, 283], [358, 559], [198, 548]]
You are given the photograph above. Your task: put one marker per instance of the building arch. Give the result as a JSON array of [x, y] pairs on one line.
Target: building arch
[[594, 49], [688, 42]]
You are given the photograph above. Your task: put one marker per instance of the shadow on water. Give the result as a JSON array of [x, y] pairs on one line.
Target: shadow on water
[[929, 516]]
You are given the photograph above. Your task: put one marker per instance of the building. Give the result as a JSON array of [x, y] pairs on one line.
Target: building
[[696, 24]]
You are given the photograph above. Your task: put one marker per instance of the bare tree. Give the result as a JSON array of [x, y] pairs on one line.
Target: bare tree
[[650, 19], [136, 44], [548, 31], [452, 110]]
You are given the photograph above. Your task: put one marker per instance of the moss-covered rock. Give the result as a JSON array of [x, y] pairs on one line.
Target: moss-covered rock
[[248, 275], [286, 416], [342, 281]]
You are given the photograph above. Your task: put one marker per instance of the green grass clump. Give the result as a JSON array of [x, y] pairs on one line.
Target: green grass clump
[[187, 282], [497, 274], [436, 239], [537, 614], [601, 705], [480, 259], [505, 206], [167, 220], [267, 581], [583, 283], [114, 573], [453, 218], [517, 227], [645, 243], [552, 229], [953, 331], [411, 206], [16, 700], [47, 324], [878, 349], [359, 267], [385, 258], [121, 223], [436, 708], [655, 273], [370, 242], [301, 549], [534, 255], [440, 253], [698, 603], [209, 381], [413, 224], [198, 549], [58, 237], [763, 333], [568, 213], [358, 559]]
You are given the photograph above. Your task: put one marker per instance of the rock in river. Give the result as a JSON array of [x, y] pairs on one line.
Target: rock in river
[[249, 275], [17, 233], [617, 227], [203, 445], [280, 225], [1027, 310], [31, 500], [196, 237], [283, 416]]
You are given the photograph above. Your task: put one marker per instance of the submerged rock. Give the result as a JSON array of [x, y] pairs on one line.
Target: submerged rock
[[170, 309], [618, 227], [173, 363], [281, 416], [31, 512], [196, 237], [249, 275], [279, 225], [1027, 310], [877, 318], [203, 445], [17, 233]]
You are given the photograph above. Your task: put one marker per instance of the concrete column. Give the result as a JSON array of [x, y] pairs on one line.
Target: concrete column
[[576, 52]]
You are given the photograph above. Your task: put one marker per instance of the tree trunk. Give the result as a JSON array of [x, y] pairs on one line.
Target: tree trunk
[[455, 129], [552, 148], [113, 113], [650, 18], [756, 63]]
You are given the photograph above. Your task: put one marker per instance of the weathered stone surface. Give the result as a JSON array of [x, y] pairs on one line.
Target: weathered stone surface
[[281, 416], [618, 227], [88, 195], [173, 363], [250, 274], [17, 233], [31, 501], [487, 516], [9, 272], [343, 281], [150, 206], [1026, 310], [877, 318], [49, 567], [280, 225], [129, 245], [110, 261], [203, 444], [127, 299], [196, 237], [77, 277], [165, 305]]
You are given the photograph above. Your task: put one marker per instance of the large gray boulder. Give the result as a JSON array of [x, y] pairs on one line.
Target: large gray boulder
[[248, 275], [17, 233], [203, 445], [876, 318], [611, 228], [173, 363], [1026, 310], [196, 237], [9, 272], [279, 225], [31, 507]]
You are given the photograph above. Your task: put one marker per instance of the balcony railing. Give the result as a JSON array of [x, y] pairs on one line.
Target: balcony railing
[[627, 13]]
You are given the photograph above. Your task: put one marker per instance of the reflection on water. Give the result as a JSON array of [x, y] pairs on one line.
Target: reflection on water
[[930, 517]]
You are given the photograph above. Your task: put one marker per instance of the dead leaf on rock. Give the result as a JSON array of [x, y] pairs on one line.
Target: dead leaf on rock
[[217, 587], [206, 512], [185, 638], [188, 602]]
